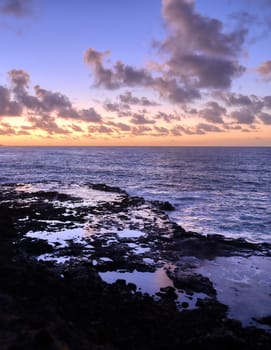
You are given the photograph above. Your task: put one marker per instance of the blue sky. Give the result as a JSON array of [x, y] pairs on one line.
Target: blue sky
[[166, 51]]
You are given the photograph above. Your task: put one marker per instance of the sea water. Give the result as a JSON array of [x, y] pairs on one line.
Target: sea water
[[215, 190]]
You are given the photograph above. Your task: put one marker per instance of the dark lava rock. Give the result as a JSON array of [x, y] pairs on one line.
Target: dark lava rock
[[193, 282], [106, 188], [167, 293], [264, 320], [163, 205], [57, 307]]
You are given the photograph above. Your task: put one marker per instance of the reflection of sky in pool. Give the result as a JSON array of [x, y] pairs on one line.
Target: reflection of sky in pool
[[151, 282], [242, 283]]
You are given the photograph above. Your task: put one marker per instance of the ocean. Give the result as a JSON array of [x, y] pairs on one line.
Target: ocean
[[215, 190]]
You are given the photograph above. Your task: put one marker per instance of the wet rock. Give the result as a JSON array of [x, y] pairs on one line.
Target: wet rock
[[106, 188], [68, 306], [184, 304], [193, 282], [264, 320], [166, 206], [168, 293], [35, 246]]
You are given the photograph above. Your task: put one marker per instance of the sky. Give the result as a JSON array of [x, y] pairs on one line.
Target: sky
[[135, 73]]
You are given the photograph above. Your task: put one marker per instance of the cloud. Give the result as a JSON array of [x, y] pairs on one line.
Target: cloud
[[178, 130], [202, 128], [213, 113], [192, 31], [175, 91], [48, 124], [233, 99], [51, 100], [196, 55], [121, 108], [116, 77], [7, 106], [112, 107], [121, 75], [90, 115], [265, 70], [198, 50], [76, 128], [160, 131], [141, 130], [167, 117], [141, 119], [100, 129], [243, 116], [205, 71], [128, 98], [120, 126], [265, 118], [267, 101], [17, 8], [20, 80], [7, 130], [43, 103]]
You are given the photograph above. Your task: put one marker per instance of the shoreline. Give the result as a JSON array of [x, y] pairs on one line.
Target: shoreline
[[122, 234]]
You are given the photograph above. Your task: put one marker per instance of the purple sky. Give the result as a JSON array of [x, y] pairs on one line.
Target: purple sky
[[118, 72]]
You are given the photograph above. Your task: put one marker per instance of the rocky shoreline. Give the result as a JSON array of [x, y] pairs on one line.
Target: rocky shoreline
[[56, 243]]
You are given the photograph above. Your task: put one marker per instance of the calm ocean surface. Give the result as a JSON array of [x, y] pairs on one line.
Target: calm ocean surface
[[215, 190]]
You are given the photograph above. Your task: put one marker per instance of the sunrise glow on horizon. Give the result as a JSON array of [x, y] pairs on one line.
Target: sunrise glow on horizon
[[143, 73]]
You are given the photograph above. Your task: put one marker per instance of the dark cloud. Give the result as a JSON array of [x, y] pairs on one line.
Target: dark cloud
[[48, 124], [7, 106], [213, 113], [192, 31], [233, 99], [141, 130], [160, 131], [120, 126], [128, 98], [179, 130], [90, 115], [174, 91], [105, 129], [141, 119], [112, 107], [176, 130], [121, 75], [51, 100], [17, 8], [267, 101], [43, 103], [100, 129], [167, 117], [198, 49], [265, 70], [232, 126], [76, 128], [20, 81], [265, 118], [243, 116], [199, 55], [7, 130], [206, 71], [116, 107], [202, 128]]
